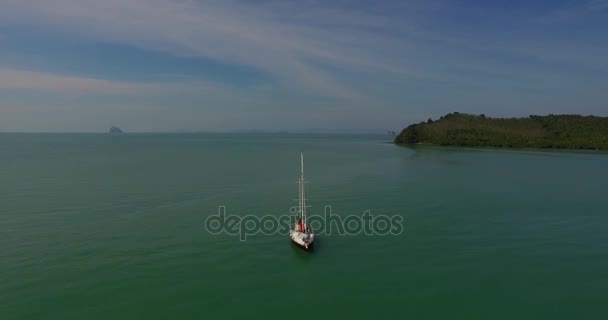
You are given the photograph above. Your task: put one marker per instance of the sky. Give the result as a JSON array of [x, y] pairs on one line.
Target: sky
[[299, 66]]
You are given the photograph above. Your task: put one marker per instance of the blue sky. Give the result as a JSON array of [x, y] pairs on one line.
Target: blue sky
[[321, 66]]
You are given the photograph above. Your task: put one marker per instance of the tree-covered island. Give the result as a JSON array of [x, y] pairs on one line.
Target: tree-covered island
[[552, 131]]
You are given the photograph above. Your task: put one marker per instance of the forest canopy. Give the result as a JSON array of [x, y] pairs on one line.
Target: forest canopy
[[552, 131]]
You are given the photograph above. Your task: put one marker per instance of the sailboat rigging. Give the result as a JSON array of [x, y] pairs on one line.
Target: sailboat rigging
[[300, 233]]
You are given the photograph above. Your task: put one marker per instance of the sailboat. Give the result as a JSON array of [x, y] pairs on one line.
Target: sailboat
[[300, 233]]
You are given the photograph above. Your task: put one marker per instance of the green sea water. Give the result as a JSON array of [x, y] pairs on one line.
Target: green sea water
[[99, 226]]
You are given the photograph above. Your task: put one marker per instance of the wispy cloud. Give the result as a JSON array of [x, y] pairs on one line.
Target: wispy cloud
[[281, 40], [364, 57], [15, 79], [293, 41]]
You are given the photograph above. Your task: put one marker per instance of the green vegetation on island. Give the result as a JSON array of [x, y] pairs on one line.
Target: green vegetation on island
[[552, 131]]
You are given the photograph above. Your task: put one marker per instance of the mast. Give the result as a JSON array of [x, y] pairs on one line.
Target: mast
[[299, 212], [302, 196]]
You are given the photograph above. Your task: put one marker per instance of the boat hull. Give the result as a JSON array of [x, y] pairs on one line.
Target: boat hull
[[301, 239], [308, 247]]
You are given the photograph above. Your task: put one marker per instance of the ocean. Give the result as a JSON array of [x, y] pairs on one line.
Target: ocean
[[99, 226]]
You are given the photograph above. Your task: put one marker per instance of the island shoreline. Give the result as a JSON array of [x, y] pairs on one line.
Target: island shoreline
[[552, 132]]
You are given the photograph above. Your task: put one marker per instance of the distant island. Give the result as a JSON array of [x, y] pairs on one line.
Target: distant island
[[552, 131], [114, 129]]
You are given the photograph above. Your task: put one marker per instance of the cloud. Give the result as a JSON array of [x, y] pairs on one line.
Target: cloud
[[359, 57], [303, 44], [281, 41], [14, 79]]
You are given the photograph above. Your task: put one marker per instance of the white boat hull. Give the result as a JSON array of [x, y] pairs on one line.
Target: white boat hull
[[302, 239]]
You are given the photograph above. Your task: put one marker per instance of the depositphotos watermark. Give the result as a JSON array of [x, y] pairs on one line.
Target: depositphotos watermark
[[328, 224]]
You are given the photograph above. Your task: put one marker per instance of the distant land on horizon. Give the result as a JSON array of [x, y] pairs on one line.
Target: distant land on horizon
[[115, 129], [551, 131]]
